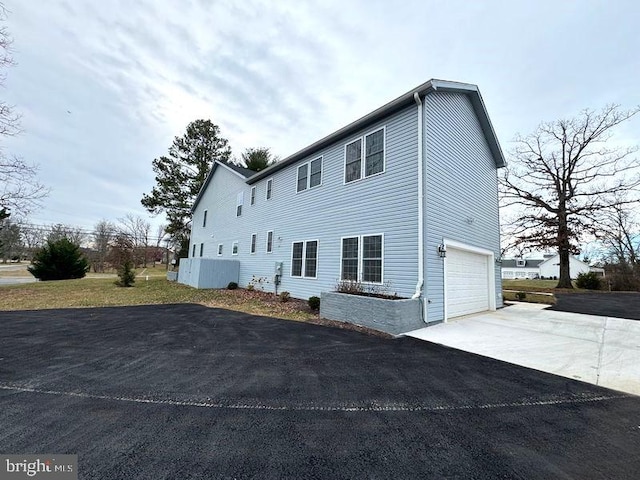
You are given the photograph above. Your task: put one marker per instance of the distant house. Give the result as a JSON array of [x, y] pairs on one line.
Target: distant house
[[403, 200], [547, 267]]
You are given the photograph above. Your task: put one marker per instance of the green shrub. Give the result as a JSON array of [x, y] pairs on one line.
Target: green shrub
[[589, 280], [126, 275], [314, 303], [59, 260], [521, 296], [232, 286], [284, 296]]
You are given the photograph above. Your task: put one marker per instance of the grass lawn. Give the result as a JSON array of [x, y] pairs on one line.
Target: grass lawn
[[523, 285], [102, 292]]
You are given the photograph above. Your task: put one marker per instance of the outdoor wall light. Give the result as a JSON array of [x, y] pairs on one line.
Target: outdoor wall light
[[442, 250]]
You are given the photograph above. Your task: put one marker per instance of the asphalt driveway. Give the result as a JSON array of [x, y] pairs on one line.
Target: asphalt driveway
[[183, 391], [603, 304]]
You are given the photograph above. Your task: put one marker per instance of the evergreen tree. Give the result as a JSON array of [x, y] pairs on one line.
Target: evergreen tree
[[59, 260], [182, 173], [257, 159], [126, 275]]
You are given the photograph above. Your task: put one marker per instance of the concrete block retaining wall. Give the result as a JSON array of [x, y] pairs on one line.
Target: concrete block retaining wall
[[391, 316]]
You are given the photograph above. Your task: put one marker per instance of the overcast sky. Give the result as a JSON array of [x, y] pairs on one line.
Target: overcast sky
[[104, 86]]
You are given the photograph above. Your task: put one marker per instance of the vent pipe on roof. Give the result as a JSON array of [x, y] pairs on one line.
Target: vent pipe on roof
[[420, 284]]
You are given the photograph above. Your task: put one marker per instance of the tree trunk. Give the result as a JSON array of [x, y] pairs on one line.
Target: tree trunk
[[563, 250]]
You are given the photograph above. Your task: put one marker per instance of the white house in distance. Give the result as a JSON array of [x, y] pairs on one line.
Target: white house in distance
[[403, 199], [548, 267]]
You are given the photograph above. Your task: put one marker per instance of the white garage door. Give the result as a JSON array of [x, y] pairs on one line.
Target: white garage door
[[467, 282]]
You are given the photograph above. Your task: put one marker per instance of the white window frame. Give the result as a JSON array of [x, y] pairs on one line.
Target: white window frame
[[201, 249], [308, 182], [254, 243], [239, 204], [220, 249], [235, 248], [268, 195], [361, 259], [363, 156], [204, 219], [267, 249], [193, 254], [304, 259], [253, 196]]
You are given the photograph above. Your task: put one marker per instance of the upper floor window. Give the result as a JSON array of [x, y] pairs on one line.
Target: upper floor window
[[364, 162], [239, 202], [304, 259], [309, 175], [204, 219], [201, 249], [220, 245], [361, 259], [234, 248], [253, 195], [269, 242], [269, 188], [193, 253]]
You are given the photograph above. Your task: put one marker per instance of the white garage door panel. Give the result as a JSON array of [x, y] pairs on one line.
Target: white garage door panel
[[467, 283]]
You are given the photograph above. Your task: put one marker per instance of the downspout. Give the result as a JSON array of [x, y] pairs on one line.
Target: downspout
[[420, 284]]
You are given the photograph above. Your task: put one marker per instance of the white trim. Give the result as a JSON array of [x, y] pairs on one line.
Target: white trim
[[361, 258], [363, 155], [231, 170], [303, 269], [252, 196], [201, 249], [239, 203], [268, 192], [266, 243], [308, 165], [220, 253], [204, 218], [491, 276], [237, 247], [302, 266], [253, 246]]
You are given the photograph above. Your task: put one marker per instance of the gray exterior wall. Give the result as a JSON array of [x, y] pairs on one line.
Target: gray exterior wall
[[207, 272], [385, 203], [460, 184], [461, 190]]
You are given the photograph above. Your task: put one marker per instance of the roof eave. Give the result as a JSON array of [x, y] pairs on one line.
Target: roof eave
[[404, 100]]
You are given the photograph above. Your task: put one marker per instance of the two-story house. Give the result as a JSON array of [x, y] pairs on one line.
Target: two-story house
[[404, 198]]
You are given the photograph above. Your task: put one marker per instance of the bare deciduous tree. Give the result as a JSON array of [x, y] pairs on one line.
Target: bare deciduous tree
[[75, 235], [137, 229], [103, 234], [20, 190], [564, 176]]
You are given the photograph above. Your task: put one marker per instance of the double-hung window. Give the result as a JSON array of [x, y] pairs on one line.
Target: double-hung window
[[239, 203], [234, 248], [269, 188], [253, 195], [254, 239], [204, 219], [364, 157], [220, 245], [361, 258], [309, 175], [193, 254], [269, 241], [201, 249], [304, 259]]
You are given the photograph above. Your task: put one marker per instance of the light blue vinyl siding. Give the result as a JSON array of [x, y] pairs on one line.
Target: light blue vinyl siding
[[461, 199], [384, 203]]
